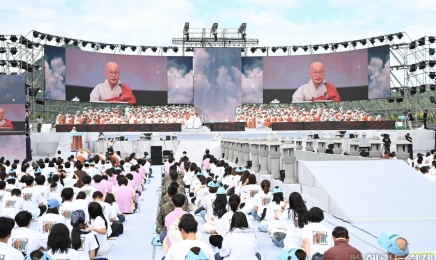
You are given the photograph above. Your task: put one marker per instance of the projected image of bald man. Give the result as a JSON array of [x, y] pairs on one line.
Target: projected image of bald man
[[112, 90], [318, 89]]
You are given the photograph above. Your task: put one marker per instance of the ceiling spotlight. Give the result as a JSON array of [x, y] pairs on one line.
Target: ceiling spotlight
[[431, 63], [354, 43], [315, 47], [123, 47], [154, 49], [372, 40], [412, 45], [335, 46], [305, 48], [253, 49], [2, 38], [143, 48], [381, 38], [13, 63], [49, 37], [412, 90], [42, 36], [422, 89], [432, 74], [40, 102], [432, 87], [2, 50], [412, 68], [13, 50], [400, 35], [390, 37], [399, 100], [35, 34], [294, 48], [263, 49], [345, 44], [13, 38], [2, 62], [176, 49], [58, 39], [133, 48], [165, 49], [391, 100], [274, 49], [67, 40], [285, 49], [431, 51], [75, 42], [112, 46], [102, 45], [325, 46], [421, 65], [432, 99], [93, 45], [363, 42], [421, 41], [431, 39]]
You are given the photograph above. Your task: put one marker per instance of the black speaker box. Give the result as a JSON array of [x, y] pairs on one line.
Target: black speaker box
[[156, 151], [156, 160]]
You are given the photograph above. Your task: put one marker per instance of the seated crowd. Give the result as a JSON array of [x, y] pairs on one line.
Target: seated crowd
[[227, 200], [77, 205], [131, 114], [258, 116]]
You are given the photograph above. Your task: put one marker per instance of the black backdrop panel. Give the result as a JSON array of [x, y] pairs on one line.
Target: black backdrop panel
[[68, 128], [357, 125], [380, 125], [319, 126], [135, 128], [104, 128], [166, 128], [282, 126], [229, 126]]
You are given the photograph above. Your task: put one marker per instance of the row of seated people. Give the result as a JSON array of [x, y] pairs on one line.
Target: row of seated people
[[75, 219], [263, 117], [227, 200], [166, 114]]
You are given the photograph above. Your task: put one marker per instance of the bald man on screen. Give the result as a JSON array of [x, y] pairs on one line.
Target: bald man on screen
[[112, 90], [4, 122], [317, 89]]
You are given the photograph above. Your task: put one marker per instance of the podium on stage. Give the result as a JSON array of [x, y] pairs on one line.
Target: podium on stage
[[76, 140]]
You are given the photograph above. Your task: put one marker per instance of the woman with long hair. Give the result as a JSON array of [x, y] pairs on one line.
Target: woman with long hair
[[110, 199], [82, 240], [294, 212], [99, 225], [59, 243], [240, 242], [261, 201], [216, 211], [269, 224], [249, 189]]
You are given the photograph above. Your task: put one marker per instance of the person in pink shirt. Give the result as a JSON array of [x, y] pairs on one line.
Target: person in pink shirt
[[168, 164], [206, 162], [178, 202], [98, 185], [106, 183], [111, 177], [131, 183], [136, 178], [125, 196]]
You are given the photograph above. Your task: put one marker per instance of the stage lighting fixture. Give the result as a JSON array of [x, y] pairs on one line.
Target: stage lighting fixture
[[14, 73], [274, 49], [432, 75], [285, 49], [2, 38], [432, 87], [13, 38], [390, 37], [421, 41], [27, 104], [315, 47], [325, 46], [412, 90], [40, 102], [345, 44], [58, 39], [263, 49], [123, 47], [112, 46], [335, 46], [305, 48], [421, 65], [432, 99], [84, 43], [13, 63], [133, 48], [354, 43], [391, 100], [431, 63], [49, 37], [253, 49], [402, 92], [75, 42], [412, 68], [400, 35], [399, 100], [35, 34], [143, 48], [431, 51], [363, 42], [2, 50], [102, 45], [176, 49], [42, 36], [431, 39], [381, 38], [154, 49], [2, 62], [13, 50], [93, 45], [422, 89], [372, 40], [242, 49], [294, 48], [165, 49], [67, 40], [412, 45]]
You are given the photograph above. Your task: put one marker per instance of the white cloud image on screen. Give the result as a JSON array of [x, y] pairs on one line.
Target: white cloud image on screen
[[379, 78], [15, 145], [55, 79], [180, 84]]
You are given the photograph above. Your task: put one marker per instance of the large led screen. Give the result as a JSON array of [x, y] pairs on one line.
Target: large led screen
[[13, 146], [180, 80], [217, 82], [12, 103], [252, 80], [341, 76]]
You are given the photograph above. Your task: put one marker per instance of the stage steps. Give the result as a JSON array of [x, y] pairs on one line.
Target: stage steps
[[64, 145]]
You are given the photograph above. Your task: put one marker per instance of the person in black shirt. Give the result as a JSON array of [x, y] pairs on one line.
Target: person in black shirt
[[410, 146], [424, 118], [410, 119], [387, 143]]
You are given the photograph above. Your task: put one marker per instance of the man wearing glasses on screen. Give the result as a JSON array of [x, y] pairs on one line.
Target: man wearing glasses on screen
[[4, 122], [317, 89], [112, 90]]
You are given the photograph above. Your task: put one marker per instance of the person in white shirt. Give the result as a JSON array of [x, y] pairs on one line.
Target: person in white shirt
[[23, 238], [13, 204], [188, 227], [240, 242], [3, 195], [261, 201], [432, 170], [269, 224], [33, 200], [43, 189], [47, 221], [209, 198], [430, 177], [11, 183], [248, 190], [295, 216], [81, 203], [189, 175], [59, 244], [216, 210], [87, 188], [109, 213], [67, 207], [82, 240], [6, 251], [99, 226], [316, 237]]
